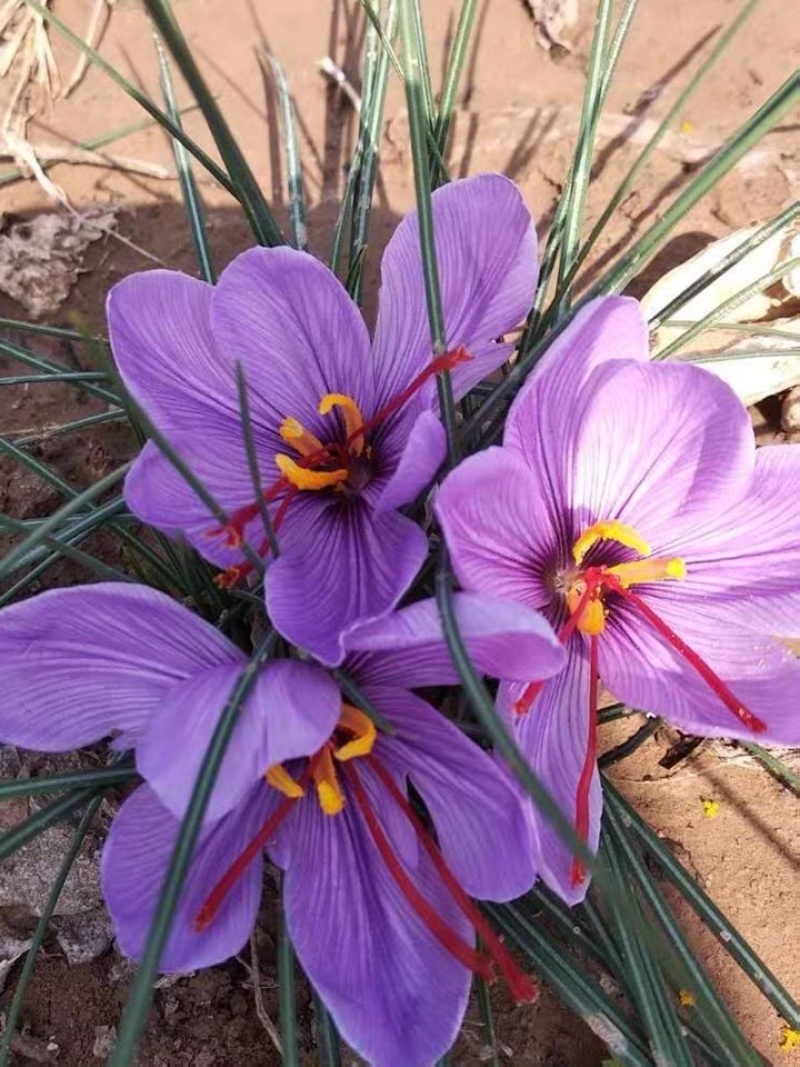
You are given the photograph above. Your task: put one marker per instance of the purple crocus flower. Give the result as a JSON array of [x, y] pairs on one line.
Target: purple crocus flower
[[628, 504], [378, 912], [345, 431]]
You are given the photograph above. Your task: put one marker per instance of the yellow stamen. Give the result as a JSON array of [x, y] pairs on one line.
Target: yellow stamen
[[656, 569], [304, 478], [363, 729], [300, 439], [609, 530], [329, 792], [686, 998], [351, 413], [592, 620], [280, 779]]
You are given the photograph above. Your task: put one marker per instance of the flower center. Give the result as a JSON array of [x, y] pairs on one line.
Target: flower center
[[343, 465], [591, 620], [586, 589], [353, 737]]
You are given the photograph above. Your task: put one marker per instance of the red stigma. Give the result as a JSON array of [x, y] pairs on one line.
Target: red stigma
[[578, 873], [521, 986]]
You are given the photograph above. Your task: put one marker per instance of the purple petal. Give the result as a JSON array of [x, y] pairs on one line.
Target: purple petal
[[498, 523], [160, 496], [486, 254], [408, 649], [554, 735], [611, 327], [747, 556], [159, 324], [651, 445], [291, 712], [77, 663], [340, 563], [481, 823], [135, 859], [396, 994], [645, 671], [419, 450], [297, 333]]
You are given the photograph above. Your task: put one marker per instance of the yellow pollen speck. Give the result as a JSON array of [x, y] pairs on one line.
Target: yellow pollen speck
[[710, 807], [686, 999], [363, 730], [609, 530], [329, 791], [351, 413], [300, 439], [789, 1039], [305, 478], [280, 779]]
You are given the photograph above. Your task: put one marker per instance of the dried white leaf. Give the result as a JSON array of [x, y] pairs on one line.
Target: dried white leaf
[[554, 19], [771, 364]]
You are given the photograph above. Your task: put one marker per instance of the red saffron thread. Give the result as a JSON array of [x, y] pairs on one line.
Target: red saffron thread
[[522, 987], [216, 897], [578, 873], [712, 680], [458, 948], [525, 702]]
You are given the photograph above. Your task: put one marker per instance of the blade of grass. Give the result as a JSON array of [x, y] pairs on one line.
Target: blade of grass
[[775, 766], [287, 996], [734, 301], [418, 124], [19, 836], [141, 992], [96, 566], [489, 1050], [572, 983], [15, 1009], [648, 988], [730, 938], [87, 423], [189, 191], [51, 524], [729, 1041], [248, 191], [582, 163], [748, 135], [483, 708], [294, 172], [252, 461], [630, 745], [672, 114], [61, 376], [327, 1035], [66, 781], [31, 359], [452, 77], [762, 234]]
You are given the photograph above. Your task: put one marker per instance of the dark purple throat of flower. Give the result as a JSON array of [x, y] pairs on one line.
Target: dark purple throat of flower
[[590, 593], [355, 737], [343, 465]]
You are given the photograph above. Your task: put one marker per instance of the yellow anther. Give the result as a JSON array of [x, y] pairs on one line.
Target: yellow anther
[[656, 569], [300, 439], [686, 999], [609, 530], [790, 1039], [351, 413], [329, 792], [363, 730], [592, 619], [280, 779], [710, 807], [305, 478]]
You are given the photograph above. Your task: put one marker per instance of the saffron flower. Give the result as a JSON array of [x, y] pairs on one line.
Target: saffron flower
[[629, 505], [345, 431], [376, 896]]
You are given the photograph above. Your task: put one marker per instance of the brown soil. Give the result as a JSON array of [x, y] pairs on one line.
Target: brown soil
[[518, 114]]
